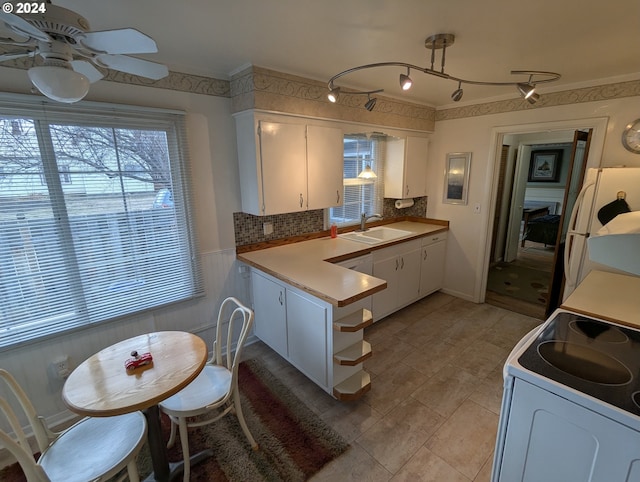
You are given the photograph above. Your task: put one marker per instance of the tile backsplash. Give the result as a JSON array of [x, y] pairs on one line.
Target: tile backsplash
[[249, 229]]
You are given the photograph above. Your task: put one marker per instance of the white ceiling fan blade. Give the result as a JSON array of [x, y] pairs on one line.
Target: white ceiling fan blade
[[121, 41], [132, 65], [85, 68], [15, 55], [22, 27]]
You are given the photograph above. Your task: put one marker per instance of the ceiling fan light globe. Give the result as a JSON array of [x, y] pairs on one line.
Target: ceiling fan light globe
[[58, 83]]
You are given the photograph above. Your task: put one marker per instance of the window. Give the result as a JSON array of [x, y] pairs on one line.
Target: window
[[82, 252], [360, 195]]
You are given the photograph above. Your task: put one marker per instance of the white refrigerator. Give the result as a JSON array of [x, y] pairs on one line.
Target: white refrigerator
[[601, 189]]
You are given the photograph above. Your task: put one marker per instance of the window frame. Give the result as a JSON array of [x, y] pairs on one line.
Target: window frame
[[372, 204], [93, 114]]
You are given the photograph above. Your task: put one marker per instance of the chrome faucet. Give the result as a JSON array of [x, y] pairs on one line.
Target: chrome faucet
[[364, 218]]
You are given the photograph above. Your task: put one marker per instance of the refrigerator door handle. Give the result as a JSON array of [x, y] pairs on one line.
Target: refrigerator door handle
[[571, 232]]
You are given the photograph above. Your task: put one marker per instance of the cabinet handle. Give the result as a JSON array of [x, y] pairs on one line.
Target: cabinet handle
[[407, 190], [402, 263], [425, 254], [280, 298], [301, 200], [396, 264], [337, 197]]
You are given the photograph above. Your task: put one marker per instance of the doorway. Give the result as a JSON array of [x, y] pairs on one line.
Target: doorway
[[539, 178]]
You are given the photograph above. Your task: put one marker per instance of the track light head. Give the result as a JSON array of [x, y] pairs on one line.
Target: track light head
[[371, 103], [533, 98], [405, 80], [526, 90], [334, 93], [457, 94]]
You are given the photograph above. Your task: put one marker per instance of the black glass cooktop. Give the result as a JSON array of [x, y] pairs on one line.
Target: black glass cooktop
[[594, 357]]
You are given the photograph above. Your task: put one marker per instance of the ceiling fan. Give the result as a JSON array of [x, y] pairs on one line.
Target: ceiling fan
[[68, 50]]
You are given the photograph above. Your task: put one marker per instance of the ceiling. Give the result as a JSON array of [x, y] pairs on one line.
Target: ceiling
[[585, 41]]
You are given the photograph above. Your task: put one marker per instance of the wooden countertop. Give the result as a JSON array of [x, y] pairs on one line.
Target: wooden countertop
[[608, 296], [308, 265]]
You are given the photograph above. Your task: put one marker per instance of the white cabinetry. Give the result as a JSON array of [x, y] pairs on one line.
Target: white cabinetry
[[405, 172], [552, 439], [307, 336], [432, 263], [399, 266], [270, 321], [323, 342], [288, 165]]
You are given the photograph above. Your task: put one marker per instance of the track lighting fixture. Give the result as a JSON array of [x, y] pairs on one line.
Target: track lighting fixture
[[457, 94], [441, 42], [370, 104], [405, 80], [528, 92], [334, 93]]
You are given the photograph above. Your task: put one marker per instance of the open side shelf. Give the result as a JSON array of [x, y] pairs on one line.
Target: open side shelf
[[354, 354], [353, 387], [354, 322]]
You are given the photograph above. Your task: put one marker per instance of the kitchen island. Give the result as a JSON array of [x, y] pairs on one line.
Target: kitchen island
[[313, 312]]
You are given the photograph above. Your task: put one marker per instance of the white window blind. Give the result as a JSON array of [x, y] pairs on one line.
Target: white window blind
[[80, 239], [360, 195]]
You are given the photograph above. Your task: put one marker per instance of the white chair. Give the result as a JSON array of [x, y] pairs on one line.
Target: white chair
[[93, 449], [215, 389]]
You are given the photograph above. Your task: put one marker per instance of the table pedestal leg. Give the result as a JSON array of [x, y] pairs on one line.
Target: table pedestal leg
[[164, 471]]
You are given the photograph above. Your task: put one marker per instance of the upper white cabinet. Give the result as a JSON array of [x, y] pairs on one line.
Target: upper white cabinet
[[288, 165], [405, 172]]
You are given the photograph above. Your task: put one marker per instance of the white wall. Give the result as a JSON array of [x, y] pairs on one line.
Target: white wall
[[469, 233], [212, 146]]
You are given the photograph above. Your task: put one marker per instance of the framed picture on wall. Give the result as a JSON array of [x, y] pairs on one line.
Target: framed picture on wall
[[545, 165], [456, 178]]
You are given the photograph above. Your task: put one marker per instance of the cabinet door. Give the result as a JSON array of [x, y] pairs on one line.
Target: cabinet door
[[416, 167], [325, 160], [432, 268], [269, 306], [307, 337], [384, 302], [283, 161], [408, 277]]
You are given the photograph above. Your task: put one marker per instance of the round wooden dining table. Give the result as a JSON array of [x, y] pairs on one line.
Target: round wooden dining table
[[101, 386]]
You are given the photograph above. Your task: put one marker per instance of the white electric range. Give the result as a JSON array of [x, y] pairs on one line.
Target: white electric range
[[571, 404]]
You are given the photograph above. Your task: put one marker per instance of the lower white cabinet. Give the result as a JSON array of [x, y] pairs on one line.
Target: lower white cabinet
[[399, 266], [325, 343], [270, 321], [434, 249], [307, 336]]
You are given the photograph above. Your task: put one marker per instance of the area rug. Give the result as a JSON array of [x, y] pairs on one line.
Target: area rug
[[294, 442], [519, 282]]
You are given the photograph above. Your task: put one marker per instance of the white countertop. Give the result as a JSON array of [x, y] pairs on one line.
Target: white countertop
[[608, 296], [306, 265]]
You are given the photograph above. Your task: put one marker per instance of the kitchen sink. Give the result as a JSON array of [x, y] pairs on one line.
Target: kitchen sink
[[375, 235]]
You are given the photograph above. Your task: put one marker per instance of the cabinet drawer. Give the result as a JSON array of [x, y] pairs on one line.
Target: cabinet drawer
[[395, 250], [434, 238]]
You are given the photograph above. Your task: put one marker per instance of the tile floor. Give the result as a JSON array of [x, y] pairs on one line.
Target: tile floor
[[432, 412]]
